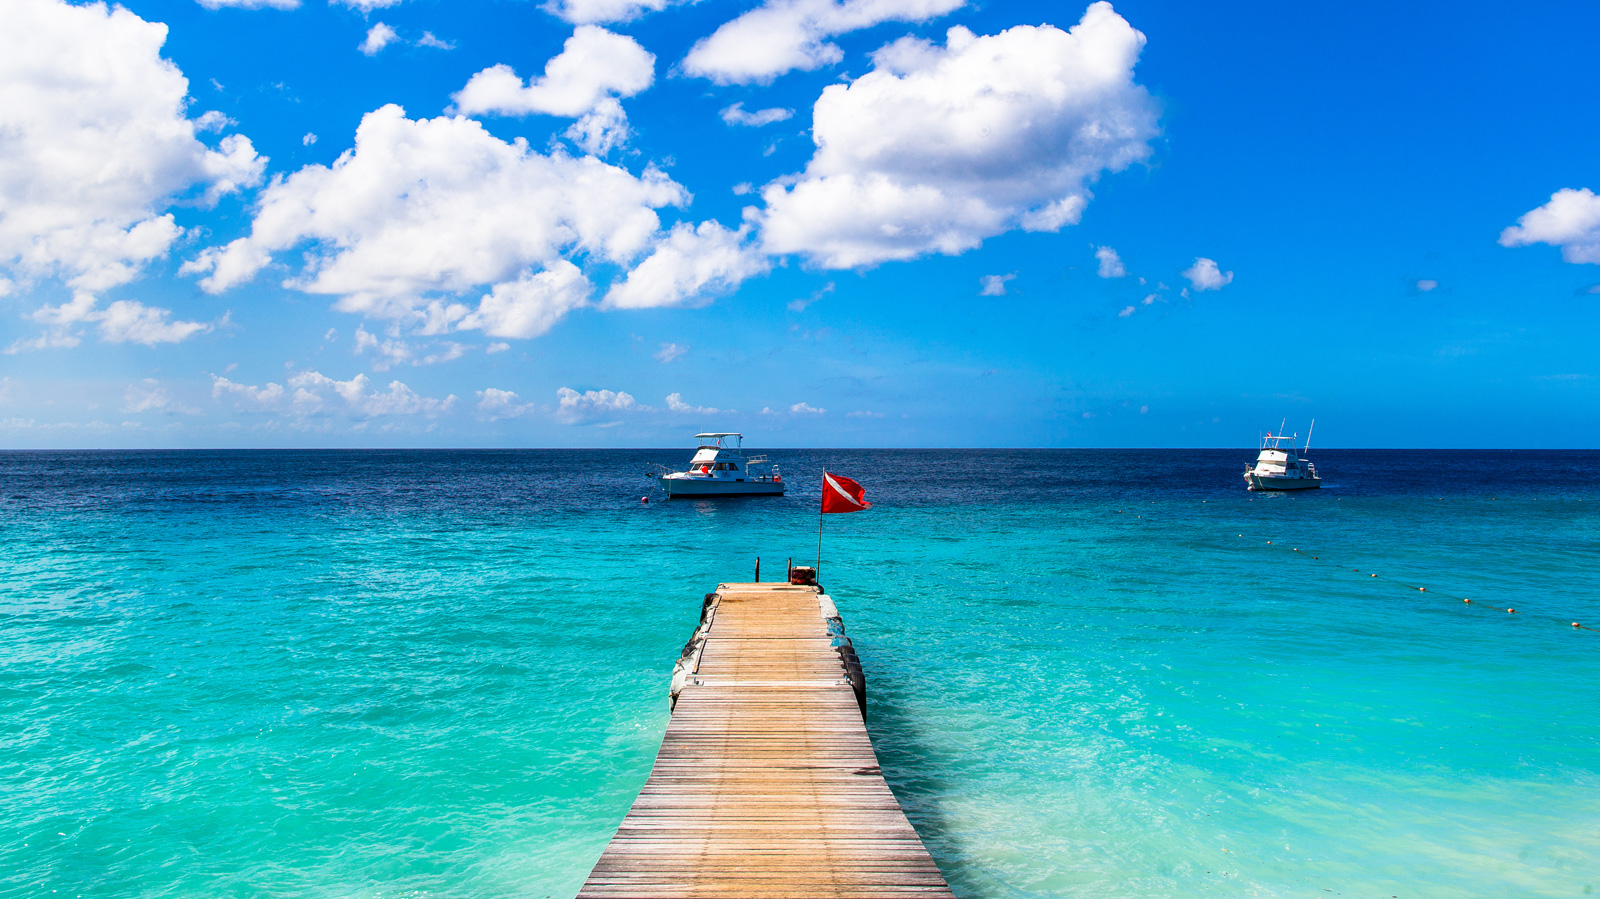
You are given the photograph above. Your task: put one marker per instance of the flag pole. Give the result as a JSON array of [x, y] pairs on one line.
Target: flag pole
[[819, 539]]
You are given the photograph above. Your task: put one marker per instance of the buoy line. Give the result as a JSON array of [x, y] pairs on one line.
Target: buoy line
[[1574, 625]]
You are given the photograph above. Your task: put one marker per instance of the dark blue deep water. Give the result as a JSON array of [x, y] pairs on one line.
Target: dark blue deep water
[[444, 673]]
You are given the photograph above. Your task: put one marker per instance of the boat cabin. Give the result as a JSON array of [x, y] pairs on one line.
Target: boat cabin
[[1275, 460], [720, 455]]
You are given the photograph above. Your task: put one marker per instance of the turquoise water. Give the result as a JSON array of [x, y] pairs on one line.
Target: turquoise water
[[386, 674]]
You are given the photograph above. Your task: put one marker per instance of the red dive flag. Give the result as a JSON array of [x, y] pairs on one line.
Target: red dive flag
[[840, 494]]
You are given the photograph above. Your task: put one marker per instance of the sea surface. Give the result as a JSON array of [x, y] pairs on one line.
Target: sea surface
[[1105, 673]]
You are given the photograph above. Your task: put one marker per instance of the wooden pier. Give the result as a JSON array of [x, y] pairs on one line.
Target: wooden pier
[[766, 784]]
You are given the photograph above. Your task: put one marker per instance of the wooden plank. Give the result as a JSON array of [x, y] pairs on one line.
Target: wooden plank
[[766, 783]]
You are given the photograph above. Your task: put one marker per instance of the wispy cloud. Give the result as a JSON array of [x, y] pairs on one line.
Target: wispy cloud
[[801, 304], [676, 404], [736, 115], [1110, 263], [994, 285], [149, 396]]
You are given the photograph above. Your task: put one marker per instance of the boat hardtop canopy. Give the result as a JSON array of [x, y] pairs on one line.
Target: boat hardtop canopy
[[720, 446], [722, 451]]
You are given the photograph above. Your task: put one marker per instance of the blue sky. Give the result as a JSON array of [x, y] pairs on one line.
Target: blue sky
[[857, 223]]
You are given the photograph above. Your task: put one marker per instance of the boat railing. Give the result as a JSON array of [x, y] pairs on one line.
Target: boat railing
[[772, 473]]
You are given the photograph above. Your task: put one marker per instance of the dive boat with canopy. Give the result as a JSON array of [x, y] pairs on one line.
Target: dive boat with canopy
[[1279, 465], [719, 468]]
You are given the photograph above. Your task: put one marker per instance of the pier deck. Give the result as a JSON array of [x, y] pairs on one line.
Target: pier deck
[[766, 784]]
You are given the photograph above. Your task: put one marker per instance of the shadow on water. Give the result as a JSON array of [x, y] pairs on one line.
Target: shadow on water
[[914, 767]]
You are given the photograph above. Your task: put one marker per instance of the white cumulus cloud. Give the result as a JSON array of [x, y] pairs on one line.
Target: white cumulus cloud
[[670, 352], [95, 144], [1110, 263], [585, 12], [688, 266], [593, 65], [124, 321], [532, 304], [127, 321], [1571, 221], [805, 409], [314, 393], [364, 401], [602, 129], [572, 406], [782, 35], [940, 147], [496, 404], [1206, 275], [594, 68], [421, 211], [378, 37], [395, 351], [266, 397], [1427, 284], [390, 353]]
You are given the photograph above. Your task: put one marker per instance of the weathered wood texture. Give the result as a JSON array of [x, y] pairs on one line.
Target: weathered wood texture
[[766, 784]]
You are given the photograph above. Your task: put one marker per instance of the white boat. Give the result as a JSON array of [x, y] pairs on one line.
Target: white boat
[[1279, 466], [719, 468]]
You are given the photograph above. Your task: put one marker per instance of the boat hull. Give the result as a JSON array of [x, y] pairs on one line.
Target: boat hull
[[1261, 482], [706, 487]]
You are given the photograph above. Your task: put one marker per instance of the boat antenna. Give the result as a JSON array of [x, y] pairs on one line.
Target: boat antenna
[[1281, 426], [1313, 427]]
